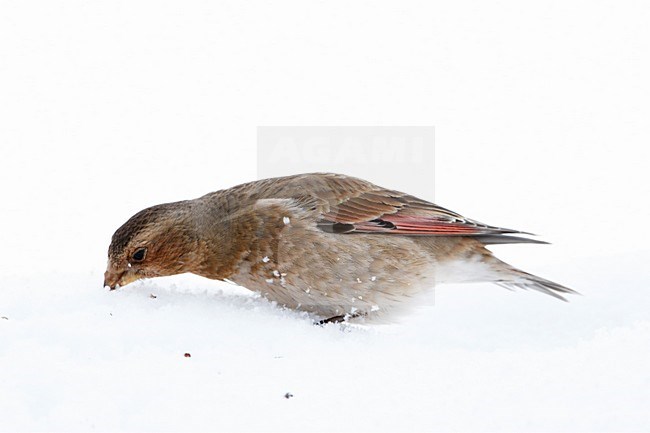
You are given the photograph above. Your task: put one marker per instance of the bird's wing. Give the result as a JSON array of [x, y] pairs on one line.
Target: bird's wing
[[348, 204]]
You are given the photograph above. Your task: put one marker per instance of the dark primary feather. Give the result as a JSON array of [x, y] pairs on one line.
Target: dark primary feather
[[386, 211], [503, 239]]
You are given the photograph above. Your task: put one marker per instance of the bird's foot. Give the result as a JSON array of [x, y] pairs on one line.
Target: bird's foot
[[338, 319]]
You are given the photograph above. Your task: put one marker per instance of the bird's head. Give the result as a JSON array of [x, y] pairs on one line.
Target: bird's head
[[155, 242]]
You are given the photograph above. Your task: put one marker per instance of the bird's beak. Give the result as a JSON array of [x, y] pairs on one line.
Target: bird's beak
[[114, 278]]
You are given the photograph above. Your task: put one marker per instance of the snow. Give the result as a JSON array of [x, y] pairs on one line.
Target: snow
[[75, 357], [541, 115], [481, 359]]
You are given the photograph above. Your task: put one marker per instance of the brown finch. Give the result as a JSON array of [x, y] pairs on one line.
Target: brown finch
[[330, 244]]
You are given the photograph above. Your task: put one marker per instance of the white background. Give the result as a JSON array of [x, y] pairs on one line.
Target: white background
[[400, 156], [541, 113]]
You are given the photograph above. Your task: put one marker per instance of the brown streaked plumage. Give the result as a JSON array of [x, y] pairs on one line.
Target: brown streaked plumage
[[326, 243]]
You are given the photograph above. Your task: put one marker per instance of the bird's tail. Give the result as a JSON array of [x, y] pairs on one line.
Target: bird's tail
[[512, 278], [474, 263]]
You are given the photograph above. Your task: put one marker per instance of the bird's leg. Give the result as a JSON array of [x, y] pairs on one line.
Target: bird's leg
[[338, 319], [335, 319]]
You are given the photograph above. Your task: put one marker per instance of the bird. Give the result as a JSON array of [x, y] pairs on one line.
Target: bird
[[333, 245]]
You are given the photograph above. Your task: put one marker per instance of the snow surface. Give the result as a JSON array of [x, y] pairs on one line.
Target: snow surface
[[541, 118], [482, 359]]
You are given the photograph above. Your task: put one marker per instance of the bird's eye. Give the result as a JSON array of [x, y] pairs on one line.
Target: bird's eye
[[138, 256]]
